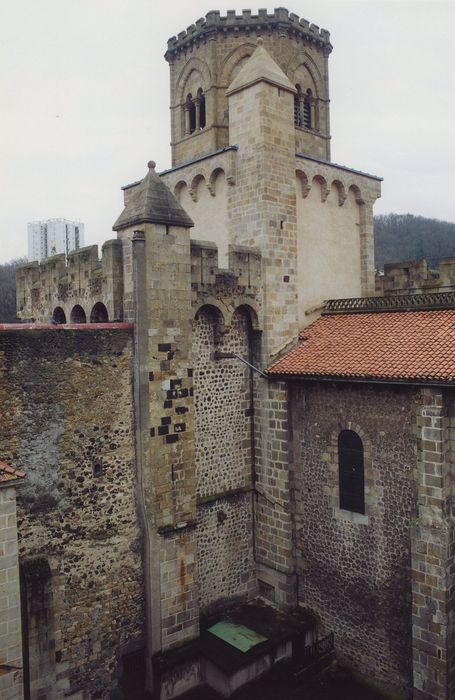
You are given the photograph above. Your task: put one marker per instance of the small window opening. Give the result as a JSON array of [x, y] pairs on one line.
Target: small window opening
[[97, 469], [307, 110], [297, 104], [201, 106], [351, 472], [192, 110]]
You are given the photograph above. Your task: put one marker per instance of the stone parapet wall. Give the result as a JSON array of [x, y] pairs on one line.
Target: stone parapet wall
[[280, 19], [415, 277], [68, 421], [83, 280]]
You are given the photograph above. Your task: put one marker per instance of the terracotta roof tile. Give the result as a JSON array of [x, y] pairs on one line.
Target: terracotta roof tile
[[8, 473], [399, 345]]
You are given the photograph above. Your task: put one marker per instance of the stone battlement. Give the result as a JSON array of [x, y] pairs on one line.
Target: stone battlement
[[280, 19], [403, 277], [227, 289], [83, 280]]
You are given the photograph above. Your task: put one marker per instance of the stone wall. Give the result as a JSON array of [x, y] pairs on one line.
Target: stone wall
[[81, 281], [433, 549], [334, 209], [355, 569], [224, 456], [415, 277], [68, 421], [11, 679]]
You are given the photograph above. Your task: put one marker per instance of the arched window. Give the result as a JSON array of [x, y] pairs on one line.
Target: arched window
[[307, 101], [194, 111], [78, 315], [99, 314], [351, 472], [59, 315], [297, 106]]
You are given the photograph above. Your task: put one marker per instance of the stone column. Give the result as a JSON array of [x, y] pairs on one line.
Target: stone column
[[433, 549], [186, 112]]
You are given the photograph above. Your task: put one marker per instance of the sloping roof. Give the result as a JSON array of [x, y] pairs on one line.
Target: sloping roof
[[399, 345], [8, 474], [151, 201], [260, 67]]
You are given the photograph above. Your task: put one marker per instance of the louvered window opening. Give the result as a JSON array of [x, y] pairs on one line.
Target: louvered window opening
[[351, 472], [306, 113], [297, 115]]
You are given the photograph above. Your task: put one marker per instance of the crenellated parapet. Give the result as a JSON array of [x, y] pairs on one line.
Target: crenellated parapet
[[415, 277], [80, 289], [227, 289], [280, 19]]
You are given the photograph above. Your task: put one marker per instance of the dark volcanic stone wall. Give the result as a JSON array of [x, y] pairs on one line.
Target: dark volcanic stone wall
[[354, 570], [223, 415], [67, 421]]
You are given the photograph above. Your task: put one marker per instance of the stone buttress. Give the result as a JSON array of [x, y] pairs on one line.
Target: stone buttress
[[433, 549], [157, 230], [263, 214]]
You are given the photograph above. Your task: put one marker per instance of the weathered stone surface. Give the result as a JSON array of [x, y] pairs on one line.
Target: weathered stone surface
[[67, 419], [355, 570]]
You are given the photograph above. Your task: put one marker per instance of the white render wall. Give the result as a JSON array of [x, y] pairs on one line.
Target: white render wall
[[53, 236]]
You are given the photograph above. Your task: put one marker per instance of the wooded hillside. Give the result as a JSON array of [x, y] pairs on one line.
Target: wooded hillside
[[403, 237], [8, 290]]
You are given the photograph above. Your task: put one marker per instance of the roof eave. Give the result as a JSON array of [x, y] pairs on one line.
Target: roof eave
[[358, 380], [129, 223]]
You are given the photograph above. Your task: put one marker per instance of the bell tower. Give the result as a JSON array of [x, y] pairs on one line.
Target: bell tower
[[206, 58]]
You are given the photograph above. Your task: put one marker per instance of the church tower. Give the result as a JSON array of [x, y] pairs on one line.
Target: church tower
[[206, 58]]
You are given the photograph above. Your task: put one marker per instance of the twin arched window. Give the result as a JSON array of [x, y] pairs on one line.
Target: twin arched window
[[351, 472], [304, 108], [194, 112]]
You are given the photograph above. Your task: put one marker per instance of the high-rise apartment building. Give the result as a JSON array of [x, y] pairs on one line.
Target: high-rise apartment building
[[46, 238]]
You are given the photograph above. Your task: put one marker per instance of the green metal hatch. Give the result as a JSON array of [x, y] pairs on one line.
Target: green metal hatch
[[238, 636]]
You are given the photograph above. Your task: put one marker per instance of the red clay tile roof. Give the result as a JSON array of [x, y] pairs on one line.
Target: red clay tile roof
[[8, 473], [399, 345]]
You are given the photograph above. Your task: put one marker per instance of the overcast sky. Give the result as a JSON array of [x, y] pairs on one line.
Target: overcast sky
[[84, 98]]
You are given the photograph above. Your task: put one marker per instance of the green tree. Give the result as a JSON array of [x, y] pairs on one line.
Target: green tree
[[8, 290]]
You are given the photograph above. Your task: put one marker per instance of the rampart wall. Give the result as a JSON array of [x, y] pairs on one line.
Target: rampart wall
[[67, 420], [416, 277], [82, 282]]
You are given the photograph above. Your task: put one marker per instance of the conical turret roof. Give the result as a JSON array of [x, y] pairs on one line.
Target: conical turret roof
[[152, 202], [260, 67]]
